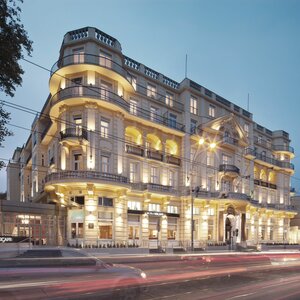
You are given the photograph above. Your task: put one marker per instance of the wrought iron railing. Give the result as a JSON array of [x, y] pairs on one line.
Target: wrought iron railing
[[229, 168], [86, 175], [74, 132]]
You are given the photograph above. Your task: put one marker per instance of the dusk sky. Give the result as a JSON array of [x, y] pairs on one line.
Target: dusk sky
[[233, 47]]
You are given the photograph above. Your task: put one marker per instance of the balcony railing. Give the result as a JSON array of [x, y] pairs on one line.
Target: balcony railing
[[152, 154], [230, 140], [136, 150], [283, 148], [90, 92], [173, 160], [155, 154], [91, 175], [265, 184], [160, 188], [79, 133], [269, 160], [98, 60], [229, 168]]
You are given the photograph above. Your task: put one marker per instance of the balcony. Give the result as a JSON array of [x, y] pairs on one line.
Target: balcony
[[284, 148], [74, 135], [80, 62], [230, 170], [174, 160], [135, 150], [90, 92], [229, 142], [265, 184], [153, 187], [268, 161], [155, 154], [83, 176]]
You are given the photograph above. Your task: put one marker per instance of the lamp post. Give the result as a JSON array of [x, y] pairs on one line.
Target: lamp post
[[211, 146]]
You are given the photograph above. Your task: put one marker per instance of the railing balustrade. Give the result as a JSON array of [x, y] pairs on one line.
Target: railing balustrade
[[74, 132]]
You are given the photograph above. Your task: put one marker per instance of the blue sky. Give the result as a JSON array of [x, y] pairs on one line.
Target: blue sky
[[233, 47]]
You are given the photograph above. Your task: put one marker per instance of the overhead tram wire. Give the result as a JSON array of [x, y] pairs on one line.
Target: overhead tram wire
[[87, 87], [197, 164]]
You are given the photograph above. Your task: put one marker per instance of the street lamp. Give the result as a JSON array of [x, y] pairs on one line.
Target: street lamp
[[211, 146]]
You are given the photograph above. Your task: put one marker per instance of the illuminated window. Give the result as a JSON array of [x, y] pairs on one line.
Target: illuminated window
[[172, 178], [210, 158], [104, 128], [154, 207], [134, 205], [153, 113], [193, 106], [172, 228], [210, 211], [151, 91], [133, 107], [76, 230], [154, 176], [246, 129], [169, 99], [77, 161], [105, 59], [78, 55], [211, 111], [172, 209], [133, 172], [105, 232]]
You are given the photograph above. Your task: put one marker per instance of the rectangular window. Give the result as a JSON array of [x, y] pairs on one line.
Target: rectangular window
[[172, 228], [105, 59], [134, 205], [154, 207], [104, 201], [193, 126], [151, 91], [76, 84], [133, 232], [105, 232], [133, 107], [171, 178], [193, 106], [78, 199], [210, 211], [106, 88], [246, 129], [172, 209], [226, 160], [154, 175], [210, 158], [134, 81], [172, 120], [77, 230], [104, 164], [78, 55], [211, 111], [104, 124], [77, 161], [169, 99], [153, 113], [133, 167]]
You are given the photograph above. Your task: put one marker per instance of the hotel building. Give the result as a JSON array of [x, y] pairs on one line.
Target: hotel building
[[133, 157]]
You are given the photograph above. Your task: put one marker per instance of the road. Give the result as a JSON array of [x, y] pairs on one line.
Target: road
[[235, 276]]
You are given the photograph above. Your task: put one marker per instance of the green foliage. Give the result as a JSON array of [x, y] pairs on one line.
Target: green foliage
[[13, 40]]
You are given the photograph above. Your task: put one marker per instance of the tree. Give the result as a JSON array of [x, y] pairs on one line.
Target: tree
[[13, 40], [4, 119]]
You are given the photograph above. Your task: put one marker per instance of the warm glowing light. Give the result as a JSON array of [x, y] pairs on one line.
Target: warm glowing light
[[212, 145], [147, 200], [201, 141]]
